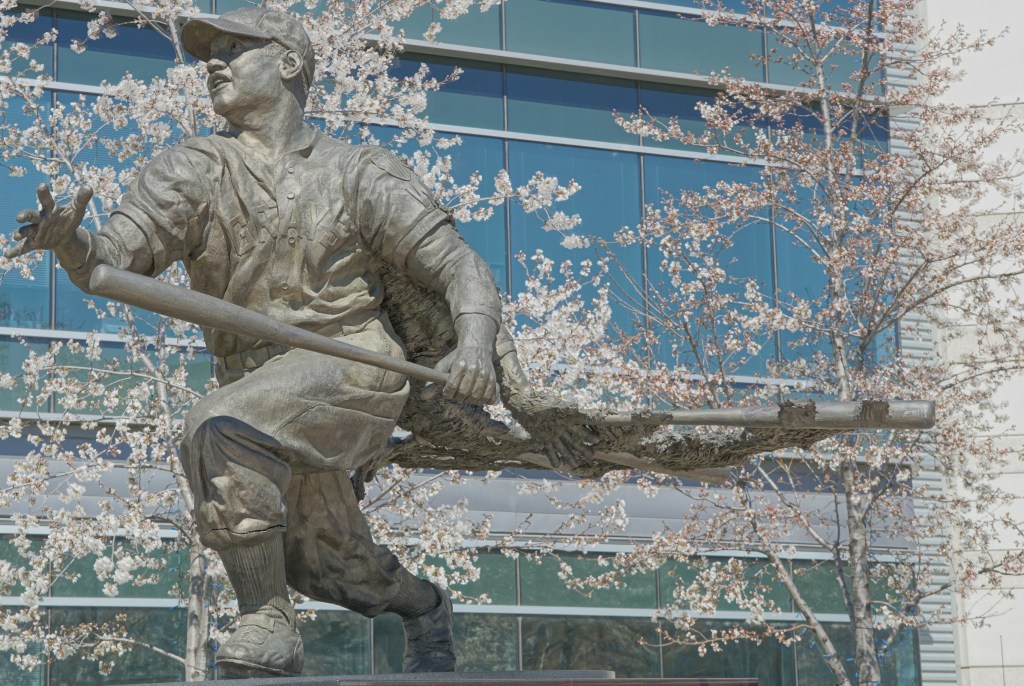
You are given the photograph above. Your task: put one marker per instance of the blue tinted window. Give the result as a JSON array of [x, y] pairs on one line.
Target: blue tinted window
[[739, 6], [474, 99], [749, 256], [842, 67], [222, 6], [664, 102], [477, 29], [142, 52], [571, 29], [488, 238], [544, 103], [12, 354], [689, 45], [799, 273], [24, 302], [30, 33], [609, 200], [476, 154]]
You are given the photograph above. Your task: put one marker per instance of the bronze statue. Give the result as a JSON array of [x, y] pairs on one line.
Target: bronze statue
[[274, 217], [277, 217]]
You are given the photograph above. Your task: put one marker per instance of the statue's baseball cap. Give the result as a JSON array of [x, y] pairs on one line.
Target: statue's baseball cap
[[251, 22]]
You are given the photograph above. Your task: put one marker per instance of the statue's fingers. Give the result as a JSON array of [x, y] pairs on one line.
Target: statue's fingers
[[460, 384], [553, 456], [584, 433], [46, 200], [483, 388], [81, 202], [568, 451], [29, 217], [578, 448], [18, 249]]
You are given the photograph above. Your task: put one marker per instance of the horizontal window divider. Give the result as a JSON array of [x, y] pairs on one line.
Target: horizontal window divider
[[592, 612], [165, 531], [657, 6], [559, 65], [586, 143], [117, 9], [96, 601], [14, 332]]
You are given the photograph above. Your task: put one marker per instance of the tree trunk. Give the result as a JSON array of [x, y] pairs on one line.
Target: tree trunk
[[197, 635], [869, 672]]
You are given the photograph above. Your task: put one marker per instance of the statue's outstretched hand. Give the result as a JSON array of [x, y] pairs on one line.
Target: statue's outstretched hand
[[51, 226]]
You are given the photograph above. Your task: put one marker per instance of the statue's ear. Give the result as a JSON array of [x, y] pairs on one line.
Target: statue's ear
[[290, 65]]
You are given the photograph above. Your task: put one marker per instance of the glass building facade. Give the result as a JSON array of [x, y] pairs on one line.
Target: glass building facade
[[540, 81]]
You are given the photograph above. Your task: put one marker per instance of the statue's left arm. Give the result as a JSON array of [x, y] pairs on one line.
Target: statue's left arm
[[401, 221]]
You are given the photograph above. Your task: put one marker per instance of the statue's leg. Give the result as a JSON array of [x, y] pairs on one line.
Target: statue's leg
[[331, 556], [239, 480]]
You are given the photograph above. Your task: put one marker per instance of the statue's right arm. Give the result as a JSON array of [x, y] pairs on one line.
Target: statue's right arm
[[58, 228], [162, 218]]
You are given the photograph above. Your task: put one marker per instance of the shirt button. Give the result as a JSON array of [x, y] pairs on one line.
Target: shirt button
[[291, 196], [291, 170], [284, 285]]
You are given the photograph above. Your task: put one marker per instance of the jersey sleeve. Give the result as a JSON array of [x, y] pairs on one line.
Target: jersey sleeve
[[169, 207], [401, 221]]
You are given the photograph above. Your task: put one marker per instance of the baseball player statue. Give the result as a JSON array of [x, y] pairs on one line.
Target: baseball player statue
[[277, 217]]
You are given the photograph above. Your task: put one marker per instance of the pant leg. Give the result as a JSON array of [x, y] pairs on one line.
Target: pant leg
[[329, 551], [239, 476]]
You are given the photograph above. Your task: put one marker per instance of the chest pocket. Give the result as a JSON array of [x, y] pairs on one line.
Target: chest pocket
[[240, 233]]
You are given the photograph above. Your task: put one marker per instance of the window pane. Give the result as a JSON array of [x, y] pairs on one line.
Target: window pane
[[760, 577], [29, 33], [12, 354], [690, 46], [497, 579], [486, 643], [768, 661], [143, 52], [164, 628], [839, 69], [336, 643], [489, 237], [544, 103], [598, 33], [474, 99], [11, 675], [591, 643], [749, 257], [169, 576], [475, 28], [388, 643], [541, 585], [24, 302], [731, 5], [609, 199], [665, 102]]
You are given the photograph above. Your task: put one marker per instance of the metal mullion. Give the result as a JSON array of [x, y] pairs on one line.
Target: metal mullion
[[508, 265]]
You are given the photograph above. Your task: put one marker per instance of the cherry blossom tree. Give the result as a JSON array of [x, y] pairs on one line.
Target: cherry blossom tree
[[130, 400], [871, 185]]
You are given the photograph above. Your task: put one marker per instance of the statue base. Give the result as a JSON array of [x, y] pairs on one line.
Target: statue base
[[538, 678]]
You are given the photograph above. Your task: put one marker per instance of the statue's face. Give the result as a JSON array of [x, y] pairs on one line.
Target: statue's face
[[245, 75]]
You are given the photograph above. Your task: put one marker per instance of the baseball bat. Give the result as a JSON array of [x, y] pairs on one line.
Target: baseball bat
[[214, 313]]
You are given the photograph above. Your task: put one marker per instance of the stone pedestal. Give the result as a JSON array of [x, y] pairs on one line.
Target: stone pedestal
[[541, 678]]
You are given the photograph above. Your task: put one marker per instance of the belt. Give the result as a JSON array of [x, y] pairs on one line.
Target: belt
[[248, 360]]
